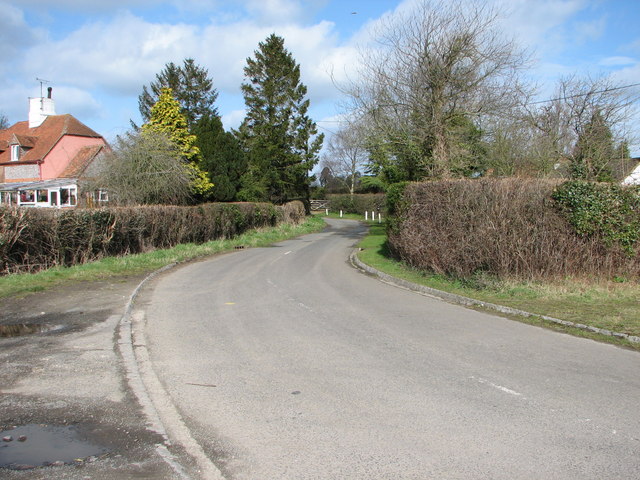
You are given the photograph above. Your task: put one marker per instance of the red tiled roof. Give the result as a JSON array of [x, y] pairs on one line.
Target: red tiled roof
[[81, 161], [40, 140], [25, 140]]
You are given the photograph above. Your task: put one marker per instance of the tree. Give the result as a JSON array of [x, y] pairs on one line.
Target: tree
[[586, 122], [222, 157], [166, 118], [145, 168], [4, 121], [191, 86], [281, 140], [434, 72], [346, 158], [594, 151]]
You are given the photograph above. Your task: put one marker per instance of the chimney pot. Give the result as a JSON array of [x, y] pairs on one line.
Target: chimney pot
[[49, 90]]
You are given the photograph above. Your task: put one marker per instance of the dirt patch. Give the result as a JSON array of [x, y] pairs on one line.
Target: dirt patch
[[71, 375]]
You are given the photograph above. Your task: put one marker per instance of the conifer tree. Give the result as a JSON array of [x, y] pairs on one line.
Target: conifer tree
[[222, 157], [191, 86], [166, 118], [594, 151], [281, 140]]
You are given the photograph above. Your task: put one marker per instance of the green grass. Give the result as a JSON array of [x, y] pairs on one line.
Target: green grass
[[608, 305], [345, 216], [138, 264]]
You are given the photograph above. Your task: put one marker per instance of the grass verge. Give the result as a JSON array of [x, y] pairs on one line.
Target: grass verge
[[607, 305], [138, 264]]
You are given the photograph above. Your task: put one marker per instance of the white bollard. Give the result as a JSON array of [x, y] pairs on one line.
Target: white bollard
[[373, 216], [379, 218], [326, 211], [366, 215], [340, 213]]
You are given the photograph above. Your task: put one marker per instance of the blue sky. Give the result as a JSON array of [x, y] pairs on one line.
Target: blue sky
[[98, 54]]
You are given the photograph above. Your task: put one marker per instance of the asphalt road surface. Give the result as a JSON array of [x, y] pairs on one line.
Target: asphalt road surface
[[287, 363]]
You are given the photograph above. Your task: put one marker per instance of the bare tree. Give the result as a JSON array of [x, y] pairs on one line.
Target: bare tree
[[4, 121], [145, 168], [346, 157], [434, 72], [563, 129]]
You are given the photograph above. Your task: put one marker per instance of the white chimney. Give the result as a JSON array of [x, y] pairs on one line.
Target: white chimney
[[40, 109]]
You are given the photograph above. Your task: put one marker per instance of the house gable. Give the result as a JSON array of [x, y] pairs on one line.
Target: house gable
[[43, 152]]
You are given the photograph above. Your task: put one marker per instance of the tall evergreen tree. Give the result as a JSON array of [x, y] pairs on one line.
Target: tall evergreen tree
[[191, 86], [166, 118], [594, 151], [281, 140], [221, 157]]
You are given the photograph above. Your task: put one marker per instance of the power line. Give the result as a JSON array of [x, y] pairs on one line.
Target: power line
[[584, 94]]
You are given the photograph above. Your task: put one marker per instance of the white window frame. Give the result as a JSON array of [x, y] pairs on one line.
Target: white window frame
[[15, 152]]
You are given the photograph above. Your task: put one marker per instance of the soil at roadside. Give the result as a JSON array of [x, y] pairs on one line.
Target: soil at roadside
[[69, 373]]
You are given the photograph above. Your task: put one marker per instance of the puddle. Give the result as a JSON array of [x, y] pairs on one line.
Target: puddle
[[20, 329], [32, 446]]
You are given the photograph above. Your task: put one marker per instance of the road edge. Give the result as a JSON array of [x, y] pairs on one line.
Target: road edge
[[151, 396], [471, 302]]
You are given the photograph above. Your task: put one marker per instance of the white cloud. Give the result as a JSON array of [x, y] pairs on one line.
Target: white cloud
[[590, 31], [119, 56], [233, 119], [89, 5], [539, 25], [617, 61], [15, 34], [78, 101], [274, 12]]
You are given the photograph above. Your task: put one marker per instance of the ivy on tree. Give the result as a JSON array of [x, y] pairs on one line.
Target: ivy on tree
[[191, 86], [594, 151], [281, 140]]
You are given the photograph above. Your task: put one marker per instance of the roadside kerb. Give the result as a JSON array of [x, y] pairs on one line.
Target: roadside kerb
[[469, 302], [154, 400]]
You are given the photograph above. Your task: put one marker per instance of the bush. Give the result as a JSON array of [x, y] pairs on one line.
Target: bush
[[604, 210], [507, 228], [33, 239], [358, 203]]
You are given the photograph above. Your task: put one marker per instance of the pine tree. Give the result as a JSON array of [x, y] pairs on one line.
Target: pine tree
[[191, 86], [281, 140], [166, 118], [222, 157]]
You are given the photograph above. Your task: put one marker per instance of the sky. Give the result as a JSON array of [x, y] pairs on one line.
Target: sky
[[97, 54]]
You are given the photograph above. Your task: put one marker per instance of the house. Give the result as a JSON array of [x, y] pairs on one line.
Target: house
[[42, 160], [633, 176], [626, 171]]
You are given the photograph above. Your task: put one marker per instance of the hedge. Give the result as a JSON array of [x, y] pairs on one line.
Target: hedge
[[357, 203], [515, 228], [33, 239]]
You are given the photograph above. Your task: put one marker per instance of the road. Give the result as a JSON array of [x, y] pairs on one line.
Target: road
[[287, 363]]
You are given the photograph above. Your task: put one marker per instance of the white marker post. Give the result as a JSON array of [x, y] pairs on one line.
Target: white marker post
[[340, 213], [366, 215], [326, 211], [379, 218]]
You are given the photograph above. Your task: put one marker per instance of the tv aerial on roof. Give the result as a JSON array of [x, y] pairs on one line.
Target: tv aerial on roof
[[42, 81]]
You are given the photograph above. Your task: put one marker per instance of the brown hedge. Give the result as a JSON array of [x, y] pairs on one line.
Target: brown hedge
[[509, 228], [34, 239]]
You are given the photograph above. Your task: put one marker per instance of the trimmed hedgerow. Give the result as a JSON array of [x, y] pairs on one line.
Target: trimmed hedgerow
[[608, 211], [506, 228], [357, 203], [34, 239]]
